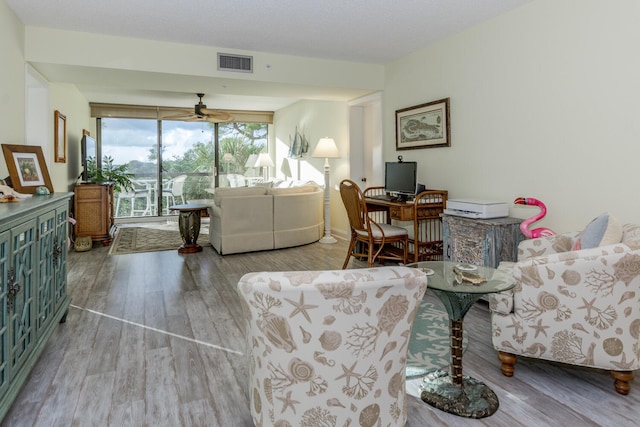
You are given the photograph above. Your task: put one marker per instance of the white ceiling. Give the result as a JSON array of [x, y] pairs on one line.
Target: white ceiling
[[370, 31]]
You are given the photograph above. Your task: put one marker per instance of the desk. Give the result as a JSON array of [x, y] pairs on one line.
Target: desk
[[425, 240], [189, 223], [451, 391]]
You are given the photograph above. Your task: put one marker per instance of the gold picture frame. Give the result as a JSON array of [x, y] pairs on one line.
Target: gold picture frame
[[27, 168], [60, 137], [423, 126]]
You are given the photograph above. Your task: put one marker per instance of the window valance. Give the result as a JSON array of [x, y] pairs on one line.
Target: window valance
[[123, 111]]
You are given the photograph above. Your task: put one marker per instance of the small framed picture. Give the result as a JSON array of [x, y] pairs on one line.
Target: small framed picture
[[60, 137], [423, 126], [27, 168]]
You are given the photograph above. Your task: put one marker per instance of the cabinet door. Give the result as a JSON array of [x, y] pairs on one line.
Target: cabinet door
[[466, 242], [60, 256], [47, 245], [22, 276], [4, 315]]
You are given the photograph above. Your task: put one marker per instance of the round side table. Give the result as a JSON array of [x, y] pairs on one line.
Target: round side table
[[189, 223]]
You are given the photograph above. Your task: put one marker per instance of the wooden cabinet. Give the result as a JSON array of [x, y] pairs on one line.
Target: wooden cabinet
[[481, 241], [93, 210], [33, 284]]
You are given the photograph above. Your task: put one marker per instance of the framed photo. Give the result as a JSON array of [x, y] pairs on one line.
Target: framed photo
[[60, 137], [27, 168], [423, 126]]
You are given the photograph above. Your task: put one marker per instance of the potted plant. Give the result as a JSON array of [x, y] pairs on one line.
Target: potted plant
[[117, 174]]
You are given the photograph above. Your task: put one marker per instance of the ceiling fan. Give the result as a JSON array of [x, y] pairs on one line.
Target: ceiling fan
[[201, 113]]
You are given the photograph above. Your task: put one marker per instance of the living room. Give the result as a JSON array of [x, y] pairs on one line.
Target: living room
[[502, 77], [565, 64]]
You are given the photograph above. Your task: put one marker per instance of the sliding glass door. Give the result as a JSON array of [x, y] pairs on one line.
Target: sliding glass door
[[174, 162], [132, 142]]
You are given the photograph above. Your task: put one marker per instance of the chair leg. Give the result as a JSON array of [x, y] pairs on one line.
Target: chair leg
[[352, 245], [508, 360], [405, 256], [621, 382], [371, 257]]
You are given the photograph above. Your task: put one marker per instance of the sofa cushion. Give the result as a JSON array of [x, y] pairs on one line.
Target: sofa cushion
[[602, 231], [307, 188], [223, 192]]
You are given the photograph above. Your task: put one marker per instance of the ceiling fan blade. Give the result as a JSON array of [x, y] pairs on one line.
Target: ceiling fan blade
[[181, 114], [217, 115]]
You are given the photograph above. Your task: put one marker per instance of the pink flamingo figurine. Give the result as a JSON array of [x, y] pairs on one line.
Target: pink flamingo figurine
[[524, 225]]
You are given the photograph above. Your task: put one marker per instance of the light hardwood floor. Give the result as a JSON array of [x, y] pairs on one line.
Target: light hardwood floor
[[154, 339]]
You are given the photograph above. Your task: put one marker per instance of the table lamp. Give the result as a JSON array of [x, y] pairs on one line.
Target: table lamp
[[327, 148], [265, 162]]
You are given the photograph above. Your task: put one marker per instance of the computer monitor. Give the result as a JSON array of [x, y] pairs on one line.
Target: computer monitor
[[401, 178]]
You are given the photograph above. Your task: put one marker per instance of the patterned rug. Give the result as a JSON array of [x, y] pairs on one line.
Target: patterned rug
[[429, 345], [151, 238]]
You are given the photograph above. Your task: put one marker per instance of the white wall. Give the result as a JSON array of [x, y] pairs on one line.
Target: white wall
[[316, 119], [67, 99], [63, 97], [544, 104], [12, 104]]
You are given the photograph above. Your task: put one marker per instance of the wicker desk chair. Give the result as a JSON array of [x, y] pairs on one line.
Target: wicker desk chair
[[376, 238]]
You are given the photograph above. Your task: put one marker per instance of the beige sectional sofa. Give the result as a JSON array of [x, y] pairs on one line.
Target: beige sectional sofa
[[246, 219]]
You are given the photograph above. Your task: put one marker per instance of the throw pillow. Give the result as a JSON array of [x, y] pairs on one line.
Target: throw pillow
[[602, 231]]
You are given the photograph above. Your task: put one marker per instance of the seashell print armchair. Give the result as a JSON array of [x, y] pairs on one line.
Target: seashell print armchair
[[575, 306], [328, 348]]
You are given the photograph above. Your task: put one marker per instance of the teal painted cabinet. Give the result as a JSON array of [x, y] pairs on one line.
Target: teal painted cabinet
[[33, 295]]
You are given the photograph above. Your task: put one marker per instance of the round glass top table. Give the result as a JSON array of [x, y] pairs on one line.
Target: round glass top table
[[459, 286]]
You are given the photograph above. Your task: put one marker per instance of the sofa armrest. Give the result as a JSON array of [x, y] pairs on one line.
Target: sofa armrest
[[577, 276], [563, 272], [242, 224]]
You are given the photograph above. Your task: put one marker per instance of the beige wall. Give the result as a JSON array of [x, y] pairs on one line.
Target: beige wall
[[63, 97], [316, 120], [12, 103], [67, 99], [544, 104]]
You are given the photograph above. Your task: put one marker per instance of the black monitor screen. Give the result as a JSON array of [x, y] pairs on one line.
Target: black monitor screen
[[400, 177]]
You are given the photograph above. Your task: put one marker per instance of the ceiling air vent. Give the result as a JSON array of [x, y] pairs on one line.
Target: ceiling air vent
[[228, 62]]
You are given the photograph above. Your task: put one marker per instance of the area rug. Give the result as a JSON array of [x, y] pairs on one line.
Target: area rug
[[429, 345], [150, 239]]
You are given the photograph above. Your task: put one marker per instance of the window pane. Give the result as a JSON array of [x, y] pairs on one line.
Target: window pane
[[133, 142], [188, 159], [238, 142]]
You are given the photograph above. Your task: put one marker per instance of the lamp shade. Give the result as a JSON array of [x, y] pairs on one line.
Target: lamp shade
[[326, 148], [251, 161], [264, 161]]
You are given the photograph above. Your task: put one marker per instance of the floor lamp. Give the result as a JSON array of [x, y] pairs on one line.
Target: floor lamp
[[327, 148]]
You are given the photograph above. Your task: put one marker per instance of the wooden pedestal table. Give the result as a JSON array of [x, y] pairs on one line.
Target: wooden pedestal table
[[189, 223], [451, 391]]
